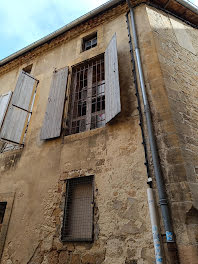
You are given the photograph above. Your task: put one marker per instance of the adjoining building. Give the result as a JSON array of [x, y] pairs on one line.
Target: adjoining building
[[92, 117]]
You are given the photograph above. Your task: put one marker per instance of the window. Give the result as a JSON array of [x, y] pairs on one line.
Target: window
[[94, 96], [18, 110], [89, 42], [87, 100], [6, 204], [28, 68], [78, 212], [2, 212]]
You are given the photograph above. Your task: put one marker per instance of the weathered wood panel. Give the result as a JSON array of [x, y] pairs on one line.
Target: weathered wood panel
[[53, 116], [112, 86], [14, 125], [4, 102], [24, 91]]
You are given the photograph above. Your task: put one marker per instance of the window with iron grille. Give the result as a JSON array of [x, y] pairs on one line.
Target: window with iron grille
[[78, 212], [89, 41], [2, 212], [94, 99], [87, 99]]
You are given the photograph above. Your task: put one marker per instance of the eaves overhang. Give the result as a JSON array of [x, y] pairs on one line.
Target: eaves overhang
[[180, 8]]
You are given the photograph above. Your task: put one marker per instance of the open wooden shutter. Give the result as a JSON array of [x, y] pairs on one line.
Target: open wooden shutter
[[16, 119], [4, 102], [24, 91], [14, 124], [53, 116], [112, 86]]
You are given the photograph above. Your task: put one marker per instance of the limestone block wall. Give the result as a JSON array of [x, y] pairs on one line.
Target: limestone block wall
[[169, 55], [35, 175], [113, 154]]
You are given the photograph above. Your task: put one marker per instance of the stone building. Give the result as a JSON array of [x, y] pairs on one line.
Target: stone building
[[73, 180]]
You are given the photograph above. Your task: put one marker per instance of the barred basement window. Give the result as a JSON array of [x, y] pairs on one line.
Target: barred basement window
[[2, 212], [87, 100], [89, 41], [78, 212]]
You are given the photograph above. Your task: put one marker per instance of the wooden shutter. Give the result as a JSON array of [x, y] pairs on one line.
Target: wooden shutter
[[4, 102], [14, 125], [112, 86], [53, 116], [24, 91], [78, 217], [16, 119]]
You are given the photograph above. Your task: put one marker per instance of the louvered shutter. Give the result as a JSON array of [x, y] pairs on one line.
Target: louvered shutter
[[112, 86], [4, 102], [53, 116], [16, 119], [14, 124], [24, 91]]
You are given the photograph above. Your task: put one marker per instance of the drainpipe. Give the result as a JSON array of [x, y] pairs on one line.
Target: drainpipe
[[155, 229], [157, 171], [151, 203]]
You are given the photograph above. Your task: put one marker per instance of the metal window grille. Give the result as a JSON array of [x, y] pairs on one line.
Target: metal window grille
[[90, 41], [87, 98], [78, 212], [2, 212]]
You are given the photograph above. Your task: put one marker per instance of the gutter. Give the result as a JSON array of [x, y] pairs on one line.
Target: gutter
[[188, 5], [110, 4]]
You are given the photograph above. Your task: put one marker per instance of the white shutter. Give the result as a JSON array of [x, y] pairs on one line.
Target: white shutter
[[4, 102], [53, 116], [24, 91], [112, 86], [14, 125], [16, 119]]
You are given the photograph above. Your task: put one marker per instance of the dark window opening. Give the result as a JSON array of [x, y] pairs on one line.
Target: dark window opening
[[87, 97], [78, 212], [28, 68], [89, 42], [2, 212]]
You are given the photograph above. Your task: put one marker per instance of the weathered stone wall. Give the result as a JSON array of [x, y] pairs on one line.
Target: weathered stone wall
[[114, 154], [169, 55]]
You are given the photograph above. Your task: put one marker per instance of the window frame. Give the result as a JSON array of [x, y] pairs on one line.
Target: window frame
[[72, 115], [7, 198], [89, 38]]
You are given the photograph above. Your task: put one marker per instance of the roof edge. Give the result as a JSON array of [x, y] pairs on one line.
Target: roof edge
[[62, 30], [76, 22]]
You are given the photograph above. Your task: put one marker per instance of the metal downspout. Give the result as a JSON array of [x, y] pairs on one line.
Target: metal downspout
[[151, 202], [158, 175]]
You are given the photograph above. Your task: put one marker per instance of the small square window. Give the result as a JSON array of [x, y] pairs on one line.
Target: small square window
[[78, 212], [89, 42], [28, 68]]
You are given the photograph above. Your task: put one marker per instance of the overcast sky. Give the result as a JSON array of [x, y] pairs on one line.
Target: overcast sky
[[23, 22]]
